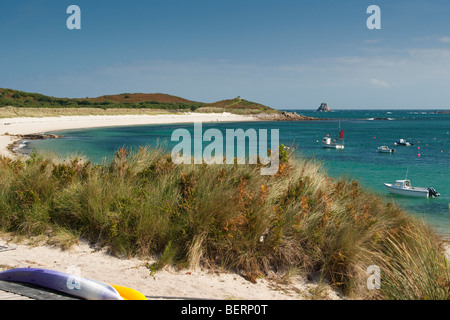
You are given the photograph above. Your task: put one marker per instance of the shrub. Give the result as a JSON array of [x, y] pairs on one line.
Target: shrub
[[229, 216]]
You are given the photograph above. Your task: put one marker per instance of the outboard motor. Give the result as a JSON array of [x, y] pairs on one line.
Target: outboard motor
[[433, 193]]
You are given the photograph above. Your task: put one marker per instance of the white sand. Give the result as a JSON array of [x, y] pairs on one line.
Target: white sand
[[95, 263], [22, 126]]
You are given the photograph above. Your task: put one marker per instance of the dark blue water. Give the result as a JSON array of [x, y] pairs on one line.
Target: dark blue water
[[364, 132]]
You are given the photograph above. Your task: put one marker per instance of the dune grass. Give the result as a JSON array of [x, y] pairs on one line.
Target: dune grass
[[141, 204], [14, 112]]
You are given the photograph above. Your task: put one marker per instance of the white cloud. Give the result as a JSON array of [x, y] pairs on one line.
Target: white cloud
[[379, 83], [372, 61], [296, 68], [372, 41], [444, 39], [431, 55]]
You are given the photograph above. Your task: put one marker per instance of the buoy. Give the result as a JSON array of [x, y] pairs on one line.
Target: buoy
[[419, 154], [418, 147]]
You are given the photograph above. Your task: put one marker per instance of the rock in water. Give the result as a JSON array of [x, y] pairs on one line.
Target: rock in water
[[324, 108]]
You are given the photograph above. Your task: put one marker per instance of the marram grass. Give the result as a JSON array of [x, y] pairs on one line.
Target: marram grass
[[230, 216]]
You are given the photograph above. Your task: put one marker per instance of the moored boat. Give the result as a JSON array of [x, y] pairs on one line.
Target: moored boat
[[403, 142], [327, 142], [385, 149], [334, 143], [404, 188]]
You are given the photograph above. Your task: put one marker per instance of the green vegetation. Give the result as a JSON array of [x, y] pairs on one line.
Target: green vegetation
[[22, 100], [238, 106], [228, 216], [34, 100], [12, 112]]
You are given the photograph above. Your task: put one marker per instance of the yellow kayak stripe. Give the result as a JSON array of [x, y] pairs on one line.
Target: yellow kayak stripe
[[128, 293]]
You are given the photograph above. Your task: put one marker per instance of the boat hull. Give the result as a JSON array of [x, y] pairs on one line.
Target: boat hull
[[333, 146], [386, 151], [413, 192]]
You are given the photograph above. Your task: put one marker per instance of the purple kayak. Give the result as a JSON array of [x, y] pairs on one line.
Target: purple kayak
[[62, 282]]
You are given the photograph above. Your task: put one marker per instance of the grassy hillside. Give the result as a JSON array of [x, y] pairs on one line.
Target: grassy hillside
[[20, 99], [229, 216], [236, 105], [154, 101]]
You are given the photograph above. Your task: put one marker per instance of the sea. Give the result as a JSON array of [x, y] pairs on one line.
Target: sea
[[426, 163]]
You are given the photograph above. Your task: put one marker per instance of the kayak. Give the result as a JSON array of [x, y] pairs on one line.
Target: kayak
[[129, 293], [62, 282]]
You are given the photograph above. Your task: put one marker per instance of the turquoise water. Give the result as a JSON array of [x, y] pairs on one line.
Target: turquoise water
[[359, 160]]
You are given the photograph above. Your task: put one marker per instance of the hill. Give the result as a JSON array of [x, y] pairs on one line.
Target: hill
[[238, 103], [140, 97], [20, 99], [160, 101]]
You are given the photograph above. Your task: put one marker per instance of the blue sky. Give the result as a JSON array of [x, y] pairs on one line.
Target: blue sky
[[284, 53]]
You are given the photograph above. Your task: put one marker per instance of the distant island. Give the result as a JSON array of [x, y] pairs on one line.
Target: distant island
[[15, 103], [324, 107], [160, 101]]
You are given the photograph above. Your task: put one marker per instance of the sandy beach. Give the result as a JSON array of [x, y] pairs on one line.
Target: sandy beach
[[95, 263], [21, 126]]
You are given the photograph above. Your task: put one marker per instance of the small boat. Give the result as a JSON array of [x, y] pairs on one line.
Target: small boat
[[403, 142], [329, 143], [385, 149], [404, 188], [336, 143]]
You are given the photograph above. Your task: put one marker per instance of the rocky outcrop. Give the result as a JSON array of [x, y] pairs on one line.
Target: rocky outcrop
[[37, 136], [20, 138], [284, 116], [442, 111], [324, 108]]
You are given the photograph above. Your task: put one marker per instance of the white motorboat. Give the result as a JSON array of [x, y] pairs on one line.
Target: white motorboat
[[404, 188], [403, 142], [385, 149]]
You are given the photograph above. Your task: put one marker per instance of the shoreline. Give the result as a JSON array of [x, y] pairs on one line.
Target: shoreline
[[12, 129]]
